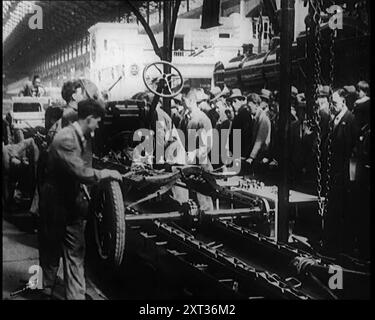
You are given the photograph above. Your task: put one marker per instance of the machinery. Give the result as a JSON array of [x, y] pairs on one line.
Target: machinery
[[26, 113], [256, 71], [228, 252]]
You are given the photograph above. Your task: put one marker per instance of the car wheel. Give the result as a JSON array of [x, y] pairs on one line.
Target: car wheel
[[109, 222]]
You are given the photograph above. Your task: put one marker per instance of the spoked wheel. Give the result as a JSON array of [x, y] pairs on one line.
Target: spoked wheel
[[109, 223], [171, 83]]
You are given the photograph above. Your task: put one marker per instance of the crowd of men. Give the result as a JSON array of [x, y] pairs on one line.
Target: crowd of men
[[335, 142], [331, 141], [65, 162]]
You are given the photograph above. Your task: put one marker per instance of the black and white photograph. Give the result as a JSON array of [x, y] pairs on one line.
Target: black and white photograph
[[186, 155]]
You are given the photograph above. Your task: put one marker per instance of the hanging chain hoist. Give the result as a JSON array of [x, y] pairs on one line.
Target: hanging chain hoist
[[316, 5], [323, 195], [333, 34]]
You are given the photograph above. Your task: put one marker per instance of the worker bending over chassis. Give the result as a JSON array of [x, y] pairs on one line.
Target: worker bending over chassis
[[64, 204], [196, 129]]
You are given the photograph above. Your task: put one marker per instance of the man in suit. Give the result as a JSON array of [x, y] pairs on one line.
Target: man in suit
[[242, 121], [198, 140], [63, 204], [344, 136], [261, 133]]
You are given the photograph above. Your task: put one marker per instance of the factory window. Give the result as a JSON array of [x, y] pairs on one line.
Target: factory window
[[179, 42], [254, 29], [224, 35], [265, 30]]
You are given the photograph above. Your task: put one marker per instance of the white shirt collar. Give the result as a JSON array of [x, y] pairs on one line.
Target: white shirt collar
[[340, 115], [362, 100], [73, 105]]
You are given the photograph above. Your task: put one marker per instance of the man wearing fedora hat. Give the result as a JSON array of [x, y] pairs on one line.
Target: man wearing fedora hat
[[236, 99], [266, 97], [242, 121], [324, 93], [344, 137], [322, 98], [261, 135], [197, 125], [217, 101]]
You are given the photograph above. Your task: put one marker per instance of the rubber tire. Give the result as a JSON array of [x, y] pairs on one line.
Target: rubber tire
[[117, 222]]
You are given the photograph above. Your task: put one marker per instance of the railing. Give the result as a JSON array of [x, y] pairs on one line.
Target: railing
[[182, 53]]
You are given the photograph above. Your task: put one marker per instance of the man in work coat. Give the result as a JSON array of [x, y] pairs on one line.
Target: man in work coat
[[63, 203]]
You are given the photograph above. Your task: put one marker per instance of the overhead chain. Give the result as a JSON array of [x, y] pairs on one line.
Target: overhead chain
[[316, 5], [330, 129]]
